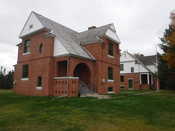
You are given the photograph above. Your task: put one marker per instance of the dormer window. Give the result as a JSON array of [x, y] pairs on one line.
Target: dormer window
[[110, 49], [26, 46]]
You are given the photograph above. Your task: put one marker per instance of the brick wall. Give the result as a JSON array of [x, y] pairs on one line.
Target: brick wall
[[45, 65], [40, 64]]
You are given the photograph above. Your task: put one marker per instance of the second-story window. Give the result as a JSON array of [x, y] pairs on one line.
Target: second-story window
[[132, 69], [110, 49], [110, 73], [121, 67], [26, 46]]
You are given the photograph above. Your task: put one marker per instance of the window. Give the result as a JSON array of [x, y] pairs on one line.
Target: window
[[110, 73], [144, 79], [40, 48], [26, 46], [110, 49], [31, 26], [39, 81], [122, 78], [25, 71], [110, 89], [121, 67], [132, 69]]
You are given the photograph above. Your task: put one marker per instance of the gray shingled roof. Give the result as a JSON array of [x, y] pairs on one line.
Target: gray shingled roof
[[93, 35], [147, 60], [71, 39]]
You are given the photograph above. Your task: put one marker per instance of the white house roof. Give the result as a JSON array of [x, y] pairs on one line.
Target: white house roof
[[69, 38], [145, 61]]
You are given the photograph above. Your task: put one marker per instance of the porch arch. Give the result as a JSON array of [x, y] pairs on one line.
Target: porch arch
[[83, 72]]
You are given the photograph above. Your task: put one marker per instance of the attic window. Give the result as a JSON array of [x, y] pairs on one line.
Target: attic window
[[31, 26]]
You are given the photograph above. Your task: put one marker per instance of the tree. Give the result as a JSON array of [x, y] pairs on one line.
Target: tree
[[6, 78], [168, 42], [167, 59]]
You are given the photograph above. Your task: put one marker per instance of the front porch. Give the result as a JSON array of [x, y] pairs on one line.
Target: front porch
[[147, 80], [72, 77]]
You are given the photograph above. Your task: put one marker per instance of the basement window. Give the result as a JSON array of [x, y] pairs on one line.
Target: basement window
[[25, 71], [110, 90]]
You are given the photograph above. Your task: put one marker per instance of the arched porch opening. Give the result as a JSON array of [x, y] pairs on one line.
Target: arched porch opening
[[83, 72]]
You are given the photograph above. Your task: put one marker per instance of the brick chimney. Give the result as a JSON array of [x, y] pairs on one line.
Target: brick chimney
[[91, 27]]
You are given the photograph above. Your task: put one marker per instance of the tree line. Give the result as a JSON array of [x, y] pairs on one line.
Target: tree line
[[6, 78]]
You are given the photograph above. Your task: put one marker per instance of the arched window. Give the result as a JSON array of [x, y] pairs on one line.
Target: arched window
[[39, 81], [41, 48]]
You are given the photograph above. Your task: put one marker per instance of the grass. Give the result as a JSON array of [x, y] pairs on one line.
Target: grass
[[125, 112]]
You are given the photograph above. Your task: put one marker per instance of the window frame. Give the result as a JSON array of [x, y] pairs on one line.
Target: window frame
[[25, 71], [122, 78], [26, 46], [39, 81], [110, 49], [132, 69], [40, 48], [122, 69], [110, 73]]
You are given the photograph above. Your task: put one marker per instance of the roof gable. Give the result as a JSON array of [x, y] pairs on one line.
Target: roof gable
[[32, 25], [70, 40]]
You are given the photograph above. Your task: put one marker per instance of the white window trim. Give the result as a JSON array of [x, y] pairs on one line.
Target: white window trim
[[39, 88], [111, 92], [27, 53], [24, 79], [110, 80], [110, 56]]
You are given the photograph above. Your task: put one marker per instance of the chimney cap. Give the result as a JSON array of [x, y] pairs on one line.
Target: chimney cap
[[91, 27]]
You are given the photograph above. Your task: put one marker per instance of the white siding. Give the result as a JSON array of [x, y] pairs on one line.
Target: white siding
[[128, 65], [59, 49], [128, 62], [153, 68], [32, 20], [125, 57]]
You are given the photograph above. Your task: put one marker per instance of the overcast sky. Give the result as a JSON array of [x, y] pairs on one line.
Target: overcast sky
[[139, 23]]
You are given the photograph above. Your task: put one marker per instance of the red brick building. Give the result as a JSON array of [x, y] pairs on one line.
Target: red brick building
[[54, 60], [137, 71]]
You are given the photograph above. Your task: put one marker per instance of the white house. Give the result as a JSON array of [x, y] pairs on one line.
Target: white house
[[137, 71]]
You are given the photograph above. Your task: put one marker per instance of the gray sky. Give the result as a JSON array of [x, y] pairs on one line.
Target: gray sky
[[139, 23]]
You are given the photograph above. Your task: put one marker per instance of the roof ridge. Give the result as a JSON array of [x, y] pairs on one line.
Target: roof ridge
[[96, 28], [37, 14]]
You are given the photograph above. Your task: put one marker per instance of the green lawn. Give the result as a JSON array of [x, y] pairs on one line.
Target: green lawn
[[125, 112]]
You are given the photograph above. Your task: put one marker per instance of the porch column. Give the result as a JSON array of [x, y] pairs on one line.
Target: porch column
[[140, 78], [148, 78], [69, 67]]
